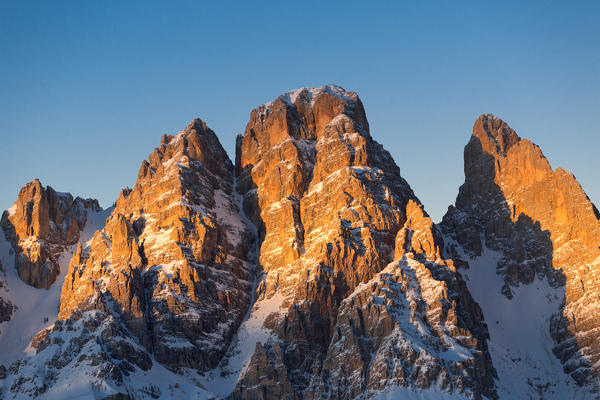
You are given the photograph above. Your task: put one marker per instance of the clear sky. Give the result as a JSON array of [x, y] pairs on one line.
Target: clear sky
[[88, 87]]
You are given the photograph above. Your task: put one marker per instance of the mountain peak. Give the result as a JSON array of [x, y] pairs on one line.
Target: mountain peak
[[197, 124], [310, 94], [494, 133], [329, 202], [195, 143], [40, 225], [543, 227]]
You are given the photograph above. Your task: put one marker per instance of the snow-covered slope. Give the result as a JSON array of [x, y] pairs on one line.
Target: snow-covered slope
[[223, 379], [69, 358], [520, 343], [37, 309]]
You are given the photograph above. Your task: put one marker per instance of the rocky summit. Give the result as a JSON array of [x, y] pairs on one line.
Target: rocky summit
[[306, 269], [539, 227], [39, 226]]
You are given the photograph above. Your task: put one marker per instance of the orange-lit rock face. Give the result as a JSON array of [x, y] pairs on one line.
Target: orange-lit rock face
[[417, 298], [322, 191], [333, 213], [543, 224], [40, 225], [173, 259]]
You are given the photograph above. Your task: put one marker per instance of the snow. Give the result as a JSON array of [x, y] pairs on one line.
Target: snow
[[95, 221], [79, 379], [158, 240], [399, 392], [168, 269], [312, 94], [228, 215], [402, 283], [222, 380], [520, 343], [37, 308], [64, 195]]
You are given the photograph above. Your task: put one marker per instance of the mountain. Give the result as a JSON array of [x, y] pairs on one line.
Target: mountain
[[39, 226], [160, 289], [39, 236], [171, 261], [532, 238], [352, 316], [307, 269]]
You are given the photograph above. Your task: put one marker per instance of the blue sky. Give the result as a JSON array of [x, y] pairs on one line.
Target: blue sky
[[87, 88]]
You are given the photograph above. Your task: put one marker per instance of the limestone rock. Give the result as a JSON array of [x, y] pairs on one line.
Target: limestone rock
[[544, 227], [393, 330], [173, 262], [40, 225], [332, 208]]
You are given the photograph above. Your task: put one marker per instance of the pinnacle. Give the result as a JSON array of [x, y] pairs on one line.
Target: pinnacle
[[489, 127]]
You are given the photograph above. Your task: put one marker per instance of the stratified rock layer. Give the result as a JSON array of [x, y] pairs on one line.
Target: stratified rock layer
[[40, 225], [172, 262], [543, 225], [331, 206], [414, 325]]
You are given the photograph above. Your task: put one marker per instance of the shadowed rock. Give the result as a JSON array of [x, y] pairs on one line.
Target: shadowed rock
[[543, 225]]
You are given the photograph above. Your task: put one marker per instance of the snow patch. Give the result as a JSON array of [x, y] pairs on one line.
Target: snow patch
[[399, 392], [228, 216], [222, 381], [12, 209]]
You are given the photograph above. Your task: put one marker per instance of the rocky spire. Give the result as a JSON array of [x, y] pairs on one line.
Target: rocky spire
[[174, 260], [40, 225], [542, 224]]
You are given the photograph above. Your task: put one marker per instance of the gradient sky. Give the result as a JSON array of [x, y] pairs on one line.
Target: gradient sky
[[88, 87]]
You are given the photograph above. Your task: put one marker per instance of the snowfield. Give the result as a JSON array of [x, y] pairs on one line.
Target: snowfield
[[37, 308], [520, 343]]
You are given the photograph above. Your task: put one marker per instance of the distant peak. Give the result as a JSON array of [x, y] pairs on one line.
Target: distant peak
[[489, 117], [313, 93], [35, 182]]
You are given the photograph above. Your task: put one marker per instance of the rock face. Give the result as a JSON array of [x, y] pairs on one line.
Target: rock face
[[165, 283], [418, 298], [40, 225], [543, 226], [345, 245], [172, 262]]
